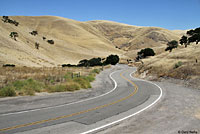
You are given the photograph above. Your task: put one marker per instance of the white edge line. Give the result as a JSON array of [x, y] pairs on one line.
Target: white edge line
[[115, 122], [115, 83]]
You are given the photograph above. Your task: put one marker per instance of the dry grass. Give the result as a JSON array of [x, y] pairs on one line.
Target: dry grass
[[179, 64], [48, 75], [28, 81], [74, 41]]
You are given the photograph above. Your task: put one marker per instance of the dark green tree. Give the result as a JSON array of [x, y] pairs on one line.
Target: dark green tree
[[83, 63], [50, 42], [37, 45], [184, 40], [111, 59], [34, 33], [144, 53], [95, 62], [171, 45], [194, 35], [14, 35]]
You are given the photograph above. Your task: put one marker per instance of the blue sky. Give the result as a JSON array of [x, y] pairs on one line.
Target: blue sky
[[169, 14]]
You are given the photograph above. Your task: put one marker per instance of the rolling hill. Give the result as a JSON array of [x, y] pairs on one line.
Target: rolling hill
[[75, 40]]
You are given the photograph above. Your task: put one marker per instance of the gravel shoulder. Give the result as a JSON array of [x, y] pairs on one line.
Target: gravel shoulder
[[177, 112], [101, 85]]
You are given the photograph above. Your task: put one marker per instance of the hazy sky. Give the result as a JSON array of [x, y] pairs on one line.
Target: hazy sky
[[170, 14]]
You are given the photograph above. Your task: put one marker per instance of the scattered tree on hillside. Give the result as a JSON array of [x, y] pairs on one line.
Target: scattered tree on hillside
[[50, 41], [6, 19], [183, 40], [44, 38], [171, 45], [37, 45], [144, 53], [92, 62], [14, 35], [34, 33], [193, 36], [111, 59], [83, 63]]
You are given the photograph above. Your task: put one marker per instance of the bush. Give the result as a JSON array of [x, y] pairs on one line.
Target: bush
[[178, 64], [7, 91], [83, 82], [57, 88], [72, 86], [97, 71]]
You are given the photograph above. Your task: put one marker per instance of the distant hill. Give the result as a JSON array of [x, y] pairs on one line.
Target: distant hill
[[74, 40]]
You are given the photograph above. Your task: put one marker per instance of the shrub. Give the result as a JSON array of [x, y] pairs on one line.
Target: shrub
[[7, 91], [27, 87], [178, 64], [72, 86], [97, 71], [57, 88], [83, 82]]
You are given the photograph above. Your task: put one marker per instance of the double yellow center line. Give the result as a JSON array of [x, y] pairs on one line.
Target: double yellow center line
[[78, 113]]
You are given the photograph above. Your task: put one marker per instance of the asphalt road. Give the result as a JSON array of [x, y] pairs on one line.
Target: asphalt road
[[127, 94]]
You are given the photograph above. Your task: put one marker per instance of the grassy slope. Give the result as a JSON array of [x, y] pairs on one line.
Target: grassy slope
[[163, 65], [73, 41], [133, 38]]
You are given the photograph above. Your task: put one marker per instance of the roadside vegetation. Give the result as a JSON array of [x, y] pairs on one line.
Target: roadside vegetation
[[180, 64], [20, 81], [23, 81]]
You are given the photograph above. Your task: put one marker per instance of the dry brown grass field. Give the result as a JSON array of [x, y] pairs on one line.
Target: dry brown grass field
[[48, 75], [179, 64], [74, 40]]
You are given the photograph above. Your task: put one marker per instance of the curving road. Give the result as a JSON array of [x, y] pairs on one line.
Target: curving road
[[128, 97]]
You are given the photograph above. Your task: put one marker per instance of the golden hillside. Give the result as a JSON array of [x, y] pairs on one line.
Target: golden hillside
[[133, 38], [182, 63], [75, 40]]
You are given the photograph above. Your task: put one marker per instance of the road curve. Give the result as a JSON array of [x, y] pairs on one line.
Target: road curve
[[128, 97]]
